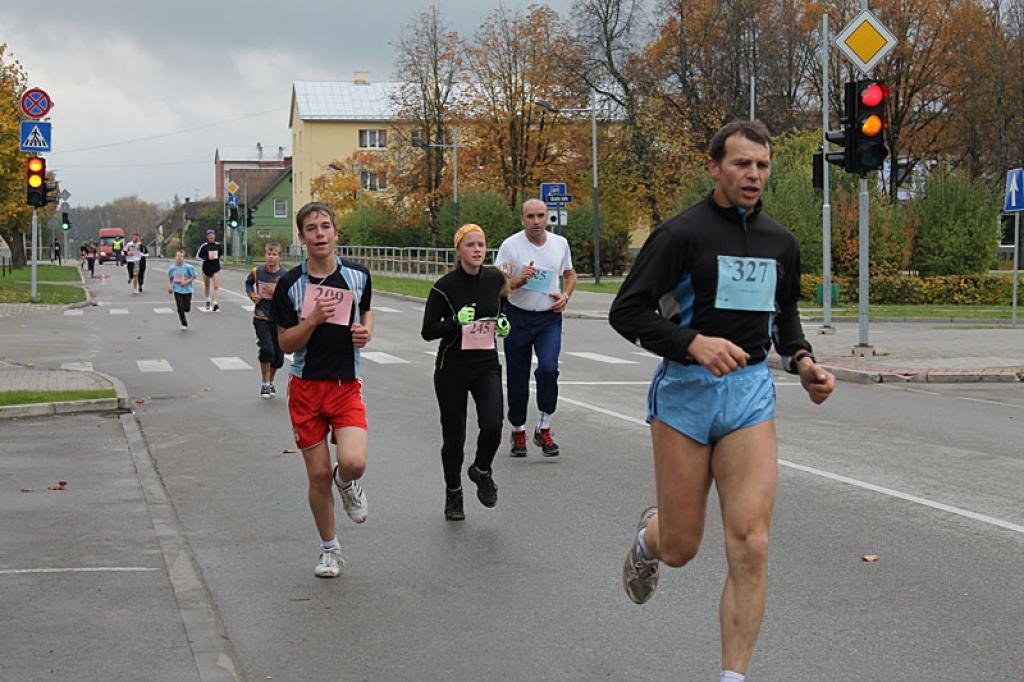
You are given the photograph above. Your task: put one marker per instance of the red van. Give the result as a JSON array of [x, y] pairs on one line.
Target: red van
[[105, 251]]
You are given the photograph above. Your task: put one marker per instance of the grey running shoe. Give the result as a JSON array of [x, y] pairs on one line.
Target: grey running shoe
[[640, 578], [273, 391], [265, 391], [353, 499], [486, 489], [453, 505], [330, 564]]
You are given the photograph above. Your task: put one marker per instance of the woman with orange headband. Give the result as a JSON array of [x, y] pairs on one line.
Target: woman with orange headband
[[463, 310]]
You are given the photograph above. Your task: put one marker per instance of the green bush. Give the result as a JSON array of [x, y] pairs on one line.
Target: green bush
[[376, 225], [958, 225], [985, 289], [614, 244], [485, 208]]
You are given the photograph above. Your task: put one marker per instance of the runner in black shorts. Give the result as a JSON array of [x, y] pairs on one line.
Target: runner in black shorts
[[711, 290], [464, 311], [210, 254], [260, 286]]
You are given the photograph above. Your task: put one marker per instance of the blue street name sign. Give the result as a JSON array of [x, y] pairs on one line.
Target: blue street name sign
[[1014, 191], [552, 189], [35, 136]]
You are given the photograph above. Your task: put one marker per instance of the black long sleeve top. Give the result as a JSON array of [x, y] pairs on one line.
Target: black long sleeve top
[[670, 293], [449, 294]]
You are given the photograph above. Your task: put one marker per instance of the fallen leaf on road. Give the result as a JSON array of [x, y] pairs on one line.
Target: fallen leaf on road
[[140, 401], [30, 365], [288, 451], [62, 483], [870, 557], [205, 389], [25, 490]]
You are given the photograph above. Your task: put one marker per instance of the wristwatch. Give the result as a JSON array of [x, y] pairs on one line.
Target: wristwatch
[[798, 356]]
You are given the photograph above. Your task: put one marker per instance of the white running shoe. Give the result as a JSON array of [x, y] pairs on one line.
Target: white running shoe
[[353, 499], [330, 564]]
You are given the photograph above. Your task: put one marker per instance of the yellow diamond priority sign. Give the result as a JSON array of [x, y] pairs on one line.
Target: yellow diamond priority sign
[[865, 41]]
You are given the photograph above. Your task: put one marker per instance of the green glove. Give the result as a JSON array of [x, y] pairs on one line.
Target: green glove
[[503, 325], [466, 314]]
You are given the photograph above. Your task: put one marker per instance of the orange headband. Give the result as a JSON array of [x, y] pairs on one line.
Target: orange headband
[[466, 229]]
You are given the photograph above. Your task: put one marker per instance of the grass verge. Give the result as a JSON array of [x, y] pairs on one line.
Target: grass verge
[[27, 397], [16, 285]]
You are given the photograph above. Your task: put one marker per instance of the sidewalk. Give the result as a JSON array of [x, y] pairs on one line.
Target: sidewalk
[[935, 351]]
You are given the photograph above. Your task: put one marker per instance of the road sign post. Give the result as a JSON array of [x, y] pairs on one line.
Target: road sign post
[[1014, 203]]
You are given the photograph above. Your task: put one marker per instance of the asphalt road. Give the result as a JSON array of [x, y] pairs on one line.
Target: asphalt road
[[927, 479]]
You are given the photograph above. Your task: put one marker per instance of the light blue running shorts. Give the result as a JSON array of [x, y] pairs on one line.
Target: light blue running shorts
[[707, 408]]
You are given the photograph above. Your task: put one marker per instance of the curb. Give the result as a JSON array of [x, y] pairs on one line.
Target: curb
[[212, 651], [90, 300], [117, 404]]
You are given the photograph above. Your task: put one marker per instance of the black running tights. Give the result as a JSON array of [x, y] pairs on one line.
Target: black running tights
[[452, 385]]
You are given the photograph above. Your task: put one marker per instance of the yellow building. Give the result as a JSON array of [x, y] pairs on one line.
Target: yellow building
[[330, 120]]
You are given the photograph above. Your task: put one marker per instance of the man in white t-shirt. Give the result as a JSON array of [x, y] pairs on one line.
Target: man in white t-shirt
[[534, 259], [132, 255]]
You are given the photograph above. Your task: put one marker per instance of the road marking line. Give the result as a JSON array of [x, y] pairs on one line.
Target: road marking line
[[597, 357], [77, 366], [385, 309], [230, 363], [92, 569], [163, 311], [118, 311], [154, 366], [72, 313], [966, 513], [249, 308], [383, 358]]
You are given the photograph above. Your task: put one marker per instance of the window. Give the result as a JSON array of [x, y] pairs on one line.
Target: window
[[372, 182], [374, 138], [280, 208]]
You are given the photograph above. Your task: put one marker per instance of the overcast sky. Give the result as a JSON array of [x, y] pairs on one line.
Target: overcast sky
[[145, 92]]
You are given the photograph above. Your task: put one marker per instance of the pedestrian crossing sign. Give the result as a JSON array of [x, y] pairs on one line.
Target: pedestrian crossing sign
[[35, 136]]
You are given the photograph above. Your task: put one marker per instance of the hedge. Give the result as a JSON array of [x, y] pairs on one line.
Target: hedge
[[987, 289]]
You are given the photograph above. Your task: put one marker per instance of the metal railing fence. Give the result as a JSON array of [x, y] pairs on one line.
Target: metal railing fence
[[421, 262]]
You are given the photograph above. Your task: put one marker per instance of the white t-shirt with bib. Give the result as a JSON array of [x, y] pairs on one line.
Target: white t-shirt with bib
[[550, 260], [133, 252]]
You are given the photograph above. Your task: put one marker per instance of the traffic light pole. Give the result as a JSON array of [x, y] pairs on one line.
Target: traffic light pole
[[826, 207], [35, 251], [863, 293]]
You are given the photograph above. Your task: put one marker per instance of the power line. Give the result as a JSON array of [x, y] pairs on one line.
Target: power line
[[177, 132]]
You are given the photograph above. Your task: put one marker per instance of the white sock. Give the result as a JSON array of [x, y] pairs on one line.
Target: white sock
[[545, 421], [330, 545], [521, 427], [730, 676], [645, 554]]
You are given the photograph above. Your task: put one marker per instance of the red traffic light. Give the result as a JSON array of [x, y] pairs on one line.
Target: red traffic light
[[874, 94]]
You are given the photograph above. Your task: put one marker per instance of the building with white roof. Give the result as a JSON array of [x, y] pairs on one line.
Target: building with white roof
[[332, 119]]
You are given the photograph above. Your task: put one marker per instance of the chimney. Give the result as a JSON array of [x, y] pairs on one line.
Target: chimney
[[361, 78], [259, 151]]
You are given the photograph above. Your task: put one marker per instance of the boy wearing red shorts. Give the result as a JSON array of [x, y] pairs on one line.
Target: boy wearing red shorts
[[322, 309]]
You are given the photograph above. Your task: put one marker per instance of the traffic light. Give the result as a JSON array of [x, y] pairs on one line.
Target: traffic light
[[35, 181], [844, 136], [65, 221], [869, 123], [248, 217], [233, 217]]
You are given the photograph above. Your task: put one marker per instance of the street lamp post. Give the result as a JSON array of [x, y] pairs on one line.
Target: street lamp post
[[418, 141], [595, 211]]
